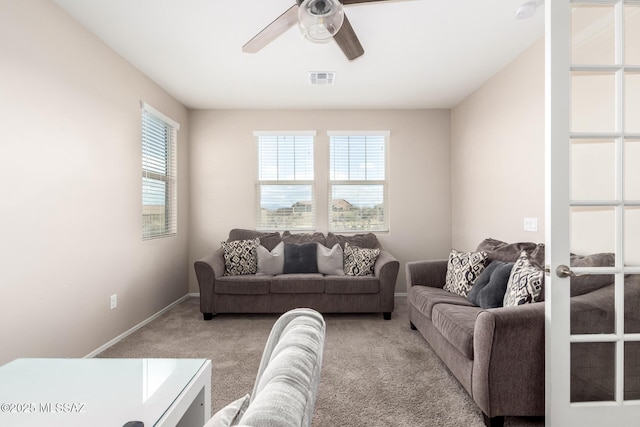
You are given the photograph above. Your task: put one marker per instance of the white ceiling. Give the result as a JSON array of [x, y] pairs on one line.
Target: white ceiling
[[418, 53]]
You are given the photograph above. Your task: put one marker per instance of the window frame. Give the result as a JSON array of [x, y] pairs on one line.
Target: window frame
[[384, 183], [169, 226], [259, 183]]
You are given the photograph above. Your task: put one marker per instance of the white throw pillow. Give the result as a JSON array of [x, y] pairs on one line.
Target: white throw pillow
[[230, 415], [330, 261], [271, 263]]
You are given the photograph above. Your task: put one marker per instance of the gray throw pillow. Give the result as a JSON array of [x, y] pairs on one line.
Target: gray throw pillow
[[300, 258], [489, 289], [330, 261], [482, 281]]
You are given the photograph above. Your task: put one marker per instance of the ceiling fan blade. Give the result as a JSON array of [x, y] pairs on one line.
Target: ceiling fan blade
[[273, 30], [348, 2], [348, 41]]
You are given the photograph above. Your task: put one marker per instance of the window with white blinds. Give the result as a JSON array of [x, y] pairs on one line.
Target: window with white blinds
[[284, 189], [159, 198], [358, 189]]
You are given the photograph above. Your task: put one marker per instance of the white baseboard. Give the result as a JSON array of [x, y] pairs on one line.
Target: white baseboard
[[135, 328]]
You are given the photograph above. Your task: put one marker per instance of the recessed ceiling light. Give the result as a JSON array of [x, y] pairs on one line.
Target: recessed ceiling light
[[321, 77]]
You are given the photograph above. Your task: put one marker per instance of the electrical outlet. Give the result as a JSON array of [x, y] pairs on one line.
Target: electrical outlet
[[531, 224], [114, 301]]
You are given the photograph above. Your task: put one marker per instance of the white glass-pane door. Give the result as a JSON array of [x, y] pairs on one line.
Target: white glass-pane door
[[593, 197]]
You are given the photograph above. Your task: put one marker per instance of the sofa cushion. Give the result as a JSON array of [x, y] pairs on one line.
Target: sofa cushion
[[297, 284], [581, 285], [463, 270], [270, 262], [424, 298], [456, 323], [300, 258], [243, 285], [505, 252], [240, 257], [359, 261], [330, 261], [351, 285], [268, 240], [525, 283], [489, 289], [289, 237], [593, 313], [368, 240]]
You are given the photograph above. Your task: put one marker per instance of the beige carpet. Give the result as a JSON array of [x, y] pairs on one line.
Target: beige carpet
[[374, 373]]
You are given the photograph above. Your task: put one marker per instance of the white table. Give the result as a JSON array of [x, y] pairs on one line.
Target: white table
[[105, 392]]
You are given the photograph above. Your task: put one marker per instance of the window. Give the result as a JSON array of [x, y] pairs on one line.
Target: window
[[358, 190], [284, 190], [159, 201]]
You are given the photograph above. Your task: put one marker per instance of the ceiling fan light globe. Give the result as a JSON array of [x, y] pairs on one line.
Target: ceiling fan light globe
[[320, 20]]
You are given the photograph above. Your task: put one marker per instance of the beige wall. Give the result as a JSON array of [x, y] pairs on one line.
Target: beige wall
[[70, 208], [497, 155], [70, 211], [223, 171]]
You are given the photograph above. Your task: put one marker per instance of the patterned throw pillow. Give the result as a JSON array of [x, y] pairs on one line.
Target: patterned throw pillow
[[359, 261], [463, 270], [525, 283], [240, 257]]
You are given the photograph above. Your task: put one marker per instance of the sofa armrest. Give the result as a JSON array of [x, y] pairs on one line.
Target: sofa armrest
[[386, 270], [426, 273], [508, 368], [207, 270]]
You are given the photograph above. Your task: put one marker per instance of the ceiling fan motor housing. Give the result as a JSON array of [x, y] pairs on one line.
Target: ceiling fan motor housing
[[320, 20]]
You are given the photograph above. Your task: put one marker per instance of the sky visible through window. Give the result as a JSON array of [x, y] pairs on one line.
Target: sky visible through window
[[352, 159]]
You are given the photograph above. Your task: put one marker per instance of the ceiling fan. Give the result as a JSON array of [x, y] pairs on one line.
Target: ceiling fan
[[319, 21]]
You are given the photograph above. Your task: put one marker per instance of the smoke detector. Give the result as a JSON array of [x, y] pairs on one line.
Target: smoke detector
[[321, 77]]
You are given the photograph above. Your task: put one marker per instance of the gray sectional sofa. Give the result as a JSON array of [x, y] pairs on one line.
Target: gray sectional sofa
[[278, 293], [498, 354]]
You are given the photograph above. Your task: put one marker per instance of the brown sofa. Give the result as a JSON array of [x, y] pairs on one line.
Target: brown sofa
[[259, 293], [498, 354]]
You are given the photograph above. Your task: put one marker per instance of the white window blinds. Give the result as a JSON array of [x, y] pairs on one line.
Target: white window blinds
[[358, 190], [159, 198], [284, 189]]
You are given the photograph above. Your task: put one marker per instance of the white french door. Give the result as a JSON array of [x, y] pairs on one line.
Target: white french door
[[592, 207]]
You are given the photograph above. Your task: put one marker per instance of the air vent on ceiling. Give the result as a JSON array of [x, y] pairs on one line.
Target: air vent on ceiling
[[321, 77]]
